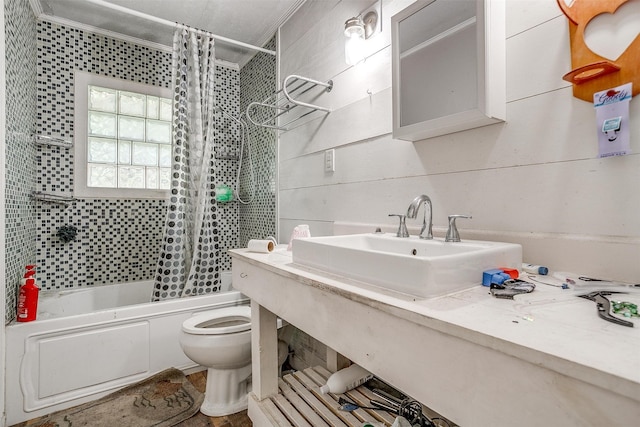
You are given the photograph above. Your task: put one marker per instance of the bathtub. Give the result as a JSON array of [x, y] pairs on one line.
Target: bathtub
[[86, 343]]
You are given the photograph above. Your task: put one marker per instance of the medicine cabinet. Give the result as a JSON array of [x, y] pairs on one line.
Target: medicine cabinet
[[448, 59]]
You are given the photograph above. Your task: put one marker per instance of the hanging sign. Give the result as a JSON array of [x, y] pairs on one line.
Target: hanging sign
[[612, 118]]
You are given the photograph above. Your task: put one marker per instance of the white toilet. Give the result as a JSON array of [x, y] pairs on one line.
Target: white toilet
[[220, 340]]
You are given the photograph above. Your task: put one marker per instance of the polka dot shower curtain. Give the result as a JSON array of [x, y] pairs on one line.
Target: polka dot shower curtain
[[188, 263]]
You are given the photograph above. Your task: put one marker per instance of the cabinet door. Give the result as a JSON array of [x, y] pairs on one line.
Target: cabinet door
[[448, 67]]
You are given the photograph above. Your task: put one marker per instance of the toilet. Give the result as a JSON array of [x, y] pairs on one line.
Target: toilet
[[220, 340]]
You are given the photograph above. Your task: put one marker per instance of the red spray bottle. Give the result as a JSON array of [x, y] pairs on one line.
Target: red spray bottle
[[28, 297]]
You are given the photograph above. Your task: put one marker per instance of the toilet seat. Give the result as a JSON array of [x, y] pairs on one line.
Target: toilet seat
[[230, 320]]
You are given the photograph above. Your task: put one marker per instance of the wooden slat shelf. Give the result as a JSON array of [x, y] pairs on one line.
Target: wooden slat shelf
[[300, 404]]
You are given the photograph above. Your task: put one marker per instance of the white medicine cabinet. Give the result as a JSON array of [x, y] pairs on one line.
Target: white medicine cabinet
[[448, 59]]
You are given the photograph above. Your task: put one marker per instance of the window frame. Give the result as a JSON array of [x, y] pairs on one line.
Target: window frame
[[82, 81]]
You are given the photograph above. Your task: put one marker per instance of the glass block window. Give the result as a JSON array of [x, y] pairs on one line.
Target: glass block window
[[122, 140], [128, 139]]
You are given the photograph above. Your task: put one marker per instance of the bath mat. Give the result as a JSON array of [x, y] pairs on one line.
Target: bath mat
[[163, 400]]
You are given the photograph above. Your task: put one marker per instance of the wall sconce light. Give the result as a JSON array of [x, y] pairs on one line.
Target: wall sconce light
[[357, 30]]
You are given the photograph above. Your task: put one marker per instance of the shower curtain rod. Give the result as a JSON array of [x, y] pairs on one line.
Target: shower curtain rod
[[175, 24]]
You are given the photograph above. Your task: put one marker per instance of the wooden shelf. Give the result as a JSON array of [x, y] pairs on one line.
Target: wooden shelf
[[300, 404], [592, 72]]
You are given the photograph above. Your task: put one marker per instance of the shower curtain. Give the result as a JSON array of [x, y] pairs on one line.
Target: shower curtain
[[189, 258]]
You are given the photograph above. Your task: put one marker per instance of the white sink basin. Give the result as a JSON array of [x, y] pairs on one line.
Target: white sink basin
[[423, 268]]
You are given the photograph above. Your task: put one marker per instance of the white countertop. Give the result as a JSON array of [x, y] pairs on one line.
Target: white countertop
[[550, 327]]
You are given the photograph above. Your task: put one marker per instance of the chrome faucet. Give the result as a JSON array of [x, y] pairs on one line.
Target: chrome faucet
[[412, 212], [402, 228], [452, 232]]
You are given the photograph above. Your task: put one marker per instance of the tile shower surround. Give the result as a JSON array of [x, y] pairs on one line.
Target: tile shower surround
[[257, 82], [118, 239], [20, 152]]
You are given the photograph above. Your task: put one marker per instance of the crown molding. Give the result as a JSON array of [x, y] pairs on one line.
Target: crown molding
[[284, 18], [272, 31]]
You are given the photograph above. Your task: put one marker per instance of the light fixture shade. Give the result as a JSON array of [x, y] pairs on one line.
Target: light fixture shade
[[354, 43]]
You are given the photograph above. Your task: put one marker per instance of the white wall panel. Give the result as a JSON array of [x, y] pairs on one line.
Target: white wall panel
[[533, 177], [294, 29], [319, 53], [525, 14], [349, 87], [537, 59], [562, 130], [536, 198], [381, 158], [364, 119], [547, 128]]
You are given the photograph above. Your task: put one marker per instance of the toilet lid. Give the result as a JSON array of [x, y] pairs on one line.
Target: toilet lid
[[222, 321]]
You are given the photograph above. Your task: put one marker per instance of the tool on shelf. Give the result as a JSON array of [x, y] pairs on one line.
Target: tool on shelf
[[52, 198], [266, 113], [406, 408], [604, 306]]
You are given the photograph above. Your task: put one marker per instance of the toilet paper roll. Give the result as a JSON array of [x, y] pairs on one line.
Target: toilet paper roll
[[262, 246]]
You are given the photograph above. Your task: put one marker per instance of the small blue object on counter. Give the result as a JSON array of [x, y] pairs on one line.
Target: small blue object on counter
[[535, 269], [494, 276]]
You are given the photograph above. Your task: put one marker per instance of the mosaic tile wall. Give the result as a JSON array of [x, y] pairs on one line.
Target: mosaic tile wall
[[118, 240], [20, 38], [258, 219]]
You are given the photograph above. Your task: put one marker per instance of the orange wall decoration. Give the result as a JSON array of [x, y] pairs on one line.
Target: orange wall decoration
[[591, 72]]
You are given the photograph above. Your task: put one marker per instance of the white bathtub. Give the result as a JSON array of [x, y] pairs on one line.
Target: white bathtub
[[89, 342], [52, 304]]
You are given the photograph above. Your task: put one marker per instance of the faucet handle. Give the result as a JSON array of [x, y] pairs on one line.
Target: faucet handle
[[452, 232], [402, 228]]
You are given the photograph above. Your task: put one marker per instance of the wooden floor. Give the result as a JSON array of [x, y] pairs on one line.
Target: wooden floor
[[199, 380], [310, 378]]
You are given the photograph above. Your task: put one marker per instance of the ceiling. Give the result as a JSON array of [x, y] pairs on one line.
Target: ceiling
[[249, 21]]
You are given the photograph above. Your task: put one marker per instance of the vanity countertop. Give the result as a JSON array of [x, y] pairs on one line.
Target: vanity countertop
[[550, 326], [549, 348]]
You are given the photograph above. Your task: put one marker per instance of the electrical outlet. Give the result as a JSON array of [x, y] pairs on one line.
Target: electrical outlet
[[330, 160]]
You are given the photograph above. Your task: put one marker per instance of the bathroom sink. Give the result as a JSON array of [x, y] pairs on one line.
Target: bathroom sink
[[423, 268]]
